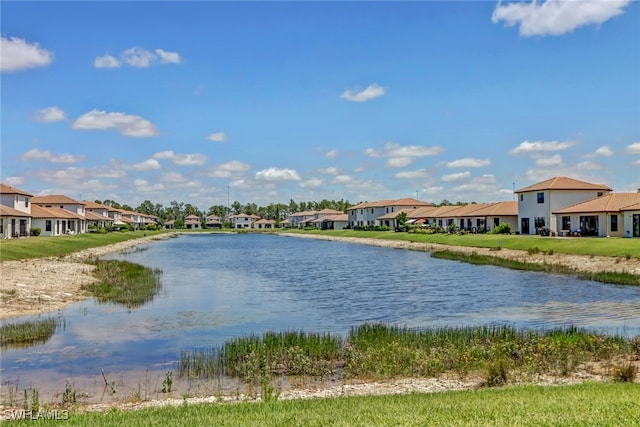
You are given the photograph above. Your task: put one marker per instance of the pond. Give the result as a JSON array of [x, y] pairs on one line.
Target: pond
[[217, 286]]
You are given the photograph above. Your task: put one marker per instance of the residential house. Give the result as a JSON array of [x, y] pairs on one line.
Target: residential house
[[300, 219], [264, 224], [15, 212], [72, 225], [538, 202], [492, 215], [368, 213], [192, 222], [213, 221], [55, 221], [243, 220], [314, 220], [614, 214], [97, 215], [171, 224]]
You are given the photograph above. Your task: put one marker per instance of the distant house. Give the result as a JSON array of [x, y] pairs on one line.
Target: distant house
[[369, 213], [243, 220], [615, 214], [192, 222], [491, 215], [538, 202], [300, 219], [213, 221], [264, 224], [333, 222], [76, 224], [55, 221], [15, 212], [97, 215], [169, 225]]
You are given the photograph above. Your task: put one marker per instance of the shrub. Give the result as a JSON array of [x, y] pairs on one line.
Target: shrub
[[503, 228], [625, 373], [35, 231]]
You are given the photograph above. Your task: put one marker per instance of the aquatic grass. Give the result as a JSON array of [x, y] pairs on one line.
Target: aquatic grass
[[613, 277], [125, 283], [28, 332]]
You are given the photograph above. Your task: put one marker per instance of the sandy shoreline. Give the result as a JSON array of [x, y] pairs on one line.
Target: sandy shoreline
[[41, 285]]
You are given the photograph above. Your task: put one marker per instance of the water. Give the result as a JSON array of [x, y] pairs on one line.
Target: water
[[216, 286]]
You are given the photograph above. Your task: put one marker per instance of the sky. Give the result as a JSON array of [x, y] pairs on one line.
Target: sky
[[263, 102]]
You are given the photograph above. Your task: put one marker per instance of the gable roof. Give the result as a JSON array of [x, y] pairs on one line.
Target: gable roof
[[94, 216], [9, 211], [93, 205], [408, 201], [59, 213], [7, 189], [55, 199], [614, 202], [498, 209], [563, 183]]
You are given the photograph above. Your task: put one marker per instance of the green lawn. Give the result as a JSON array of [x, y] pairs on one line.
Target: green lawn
[[39, 247], [579, 405], [612, 246]]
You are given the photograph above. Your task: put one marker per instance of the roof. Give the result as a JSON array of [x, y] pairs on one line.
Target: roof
[[393, 215], [92, 216], [59, 213], [93, 205], [498, 209], [563, 183], [9, 211], [303, 213], [245, 216], [7, 189], [329, 212], [408, 201], [423, 212], [614, 202], [265, 221], [55, 199]]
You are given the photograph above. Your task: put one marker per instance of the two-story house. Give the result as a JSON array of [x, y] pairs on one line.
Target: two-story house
[[73, 224], [15, 212], [538, 202]]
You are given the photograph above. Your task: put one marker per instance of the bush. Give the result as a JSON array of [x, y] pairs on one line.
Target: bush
[[503, 228], [35, 231]]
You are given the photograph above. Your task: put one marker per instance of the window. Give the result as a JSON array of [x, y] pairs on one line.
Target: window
[[496, 222], [539, 222], [600, 193], [26, 202], [371, 210], [1, 227], [522, 197], [47, 225], [540, 197], [566, 223], [614, 222]]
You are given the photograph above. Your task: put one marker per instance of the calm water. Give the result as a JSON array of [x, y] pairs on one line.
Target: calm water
[[223, 285]]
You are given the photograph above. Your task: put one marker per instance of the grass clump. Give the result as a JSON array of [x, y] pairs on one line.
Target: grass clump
[[625, 373], [125, 283], [28, 333]]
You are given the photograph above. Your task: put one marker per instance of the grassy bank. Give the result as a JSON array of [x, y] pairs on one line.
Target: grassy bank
[[620, 278], [613, 247], [124, 283], [579, 405], [40, 247]]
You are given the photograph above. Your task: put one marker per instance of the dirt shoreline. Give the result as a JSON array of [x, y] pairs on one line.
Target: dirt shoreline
[[40, 285]]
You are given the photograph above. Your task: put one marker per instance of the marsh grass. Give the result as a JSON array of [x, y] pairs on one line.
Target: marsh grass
[[124, 283], [614, 277], [24, 334]]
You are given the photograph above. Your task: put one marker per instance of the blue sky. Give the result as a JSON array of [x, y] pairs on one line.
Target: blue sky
[[271, 101]]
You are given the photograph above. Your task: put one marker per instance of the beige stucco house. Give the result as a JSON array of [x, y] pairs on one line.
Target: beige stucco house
[[15, 212]]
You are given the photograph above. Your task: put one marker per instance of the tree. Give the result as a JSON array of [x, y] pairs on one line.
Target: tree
[[236, 208], [401, 219]]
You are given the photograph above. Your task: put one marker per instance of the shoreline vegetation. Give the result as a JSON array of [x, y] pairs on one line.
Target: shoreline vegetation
[[490, 363]]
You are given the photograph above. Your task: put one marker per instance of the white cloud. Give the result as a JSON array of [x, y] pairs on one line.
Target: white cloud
[[604, 151], [276, 174], [144, 186], [14, 180], [432, 190], [138, 57], [469, 162], [637, 162], [633, 148], [229, 169], [332, 154], [17, 54], [126, 124], [182, 159], [554, 160], [47, 156], [217, 137], [106, 61], [173, 177], [400, 156], [420, 173], [589, 166], [556, 17], [456, 176], [311, 183], [147, 165], [541, 146], [329, 171], [342, 179], [371, 92], [49, 115]]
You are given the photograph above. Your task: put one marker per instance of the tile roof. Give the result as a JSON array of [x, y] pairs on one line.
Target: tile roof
[[393, 215], [498, 209], [57, 199], [60, 213], [613, 202], [265, 221], [408, 201], [7, 189], [563, 183], [93, 216], [9, 211]]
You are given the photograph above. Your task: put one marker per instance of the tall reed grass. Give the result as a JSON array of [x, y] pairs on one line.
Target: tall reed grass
[[28, 333]]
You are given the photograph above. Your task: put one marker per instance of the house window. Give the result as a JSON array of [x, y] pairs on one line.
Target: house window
[[47, 225], [540, 197], [600, 193], [614, 222], [522, 197], [371, 210], [496, 222], [539, 222], [566, 223], [2, 227], [26, 202]]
